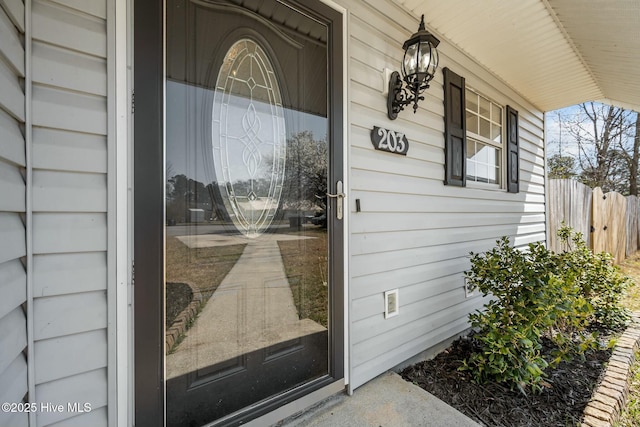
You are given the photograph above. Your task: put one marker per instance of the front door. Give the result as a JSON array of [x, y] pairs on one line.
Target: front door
[[251, 285]]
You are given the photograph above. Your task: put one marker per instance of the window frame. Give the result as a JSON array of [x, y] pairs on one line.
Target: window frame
[[476, 138]]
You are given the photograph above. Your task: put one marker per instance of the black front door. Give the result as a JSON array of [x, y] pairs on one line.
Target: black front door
[[249, 295]]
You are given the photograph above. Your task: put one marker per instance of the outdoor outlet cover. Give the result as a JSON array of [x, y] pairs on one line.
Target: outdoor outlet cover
[[391, 304], [467, 292]]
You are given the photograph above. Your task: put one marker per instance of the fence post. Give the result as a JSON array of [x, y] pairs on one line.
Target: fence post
[[598, 221], [632, 225], [616, 232]]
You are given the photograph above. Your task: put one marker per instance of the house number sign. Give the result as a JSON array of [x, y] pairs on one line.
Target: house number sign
[[388, 140]]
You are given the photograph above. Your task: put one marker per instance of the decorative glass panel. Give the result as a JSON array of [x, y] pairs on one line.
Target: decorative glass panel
[[249, 138]]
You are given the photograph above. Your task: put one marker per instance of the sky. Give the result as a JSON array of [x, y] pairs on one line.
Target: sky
[[558, 140], [189, 149], [557, 137]]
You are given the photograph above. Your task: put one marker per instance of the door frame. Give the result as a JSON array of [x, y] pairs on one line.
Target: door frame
[[149, 220]]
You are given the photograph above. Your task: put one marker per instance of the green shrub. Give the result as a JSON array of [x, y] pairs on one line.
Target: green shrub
[[601, 282], [529, 300], [537, 294]]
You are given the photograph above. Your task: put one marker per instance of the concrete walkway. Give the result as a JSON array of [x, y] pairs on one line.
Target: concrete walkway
[[252, 308], [387, 401]]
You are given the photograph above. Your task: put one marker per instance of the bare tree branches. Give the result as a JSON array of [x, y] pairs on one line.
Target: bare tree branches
[[607, 154]]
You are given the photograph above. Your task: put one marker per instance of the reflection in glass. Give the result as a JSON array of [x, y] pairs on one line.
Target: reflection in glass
[[258, 295], [484, 107], [471, 101], [483, 162], [246, 237], [496, 114], [484, 139], [496, 134], [472, 122], [485, 128]]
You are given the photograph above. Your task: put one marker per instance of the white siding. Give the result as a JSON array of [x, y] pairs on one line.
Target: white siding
[[84, 387], [414, 233], [68, 166], [69, 160], [13, 279]]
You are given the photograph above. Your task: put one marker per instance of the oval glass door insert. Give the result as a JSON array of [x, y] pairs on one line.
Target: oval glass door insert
[[249, 137]]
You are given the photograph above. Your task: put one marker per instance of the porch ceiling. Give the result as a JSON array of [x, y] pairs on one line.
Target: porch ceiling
[[556, 53]]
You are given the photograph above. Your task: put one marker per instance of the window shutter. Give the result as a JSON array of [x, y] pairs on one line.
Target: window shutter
[[455, 130], [513, 151]]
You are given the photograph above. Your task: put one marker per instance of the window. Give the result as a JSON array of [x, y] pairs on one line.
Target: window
[[475, 145], [484, 139]]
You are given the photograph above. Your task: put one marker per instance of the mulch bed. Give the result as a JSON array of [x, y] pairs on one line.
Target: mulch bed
[[178, 297], [562, 403]]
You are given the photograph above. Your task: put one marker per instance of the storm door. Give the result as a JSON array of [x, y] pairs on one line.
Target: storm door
[[252, 285]]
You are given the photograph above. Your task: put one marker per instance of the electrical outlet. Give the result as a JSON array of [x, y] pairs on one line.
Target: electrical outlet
[[467, 292], [391, 303]]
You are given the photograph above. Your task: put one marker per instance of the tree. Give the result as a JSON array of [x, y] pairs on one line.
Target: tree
[[305, 180], [633, 158], [598, 129], [616, 177], [605, 153], [184, 193], [561, 167]]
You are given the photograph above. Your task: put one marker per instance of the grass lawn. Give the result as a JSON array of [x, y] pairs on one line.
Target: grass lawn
[[631, 268], [305, 264], [631, 415], [203, 268]]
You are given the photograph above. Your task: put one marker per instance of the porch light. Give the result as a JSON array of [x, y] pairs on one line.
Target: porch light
[[418, 68]]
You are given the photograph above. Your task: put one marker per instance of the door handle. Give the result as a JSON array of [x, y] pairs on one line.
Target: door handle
[[339, 196]]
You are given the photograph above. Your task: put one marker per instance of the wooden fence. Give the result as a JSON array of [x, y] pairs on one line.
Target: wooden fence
[[608, 222]]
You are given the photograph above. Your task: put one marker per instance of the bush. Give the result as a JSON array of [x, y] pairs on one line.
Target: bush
[[601, 282], [536, 294]]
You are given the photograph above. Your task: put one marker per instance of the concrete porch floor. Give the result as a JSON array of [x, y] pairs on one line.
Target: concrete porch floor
[[386, 401]]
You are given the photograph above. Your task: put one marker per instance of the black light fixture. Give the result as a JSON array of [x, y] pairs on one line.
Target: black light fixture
[[418, 68]]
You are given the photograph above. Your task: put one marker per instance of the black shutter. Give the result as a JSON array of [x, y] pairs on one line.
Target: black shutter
[[455, 130], [513, 153]]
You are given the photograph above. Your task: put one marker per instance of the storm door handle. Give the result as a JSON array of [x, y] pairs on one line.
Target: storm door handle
[[339, 196]]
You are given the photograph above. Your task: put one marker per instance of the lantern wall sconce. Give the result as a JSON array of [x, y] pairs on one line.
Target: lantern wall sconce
[[419, 66]]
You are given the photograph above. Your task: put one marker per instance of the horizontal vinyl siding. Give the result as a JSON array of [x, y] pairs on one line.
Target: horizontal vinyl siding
[[13, 278], [53, 355], [81, 388], [69, 207], [69, 273], [413, 232], [60, 150], [14, 378]]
